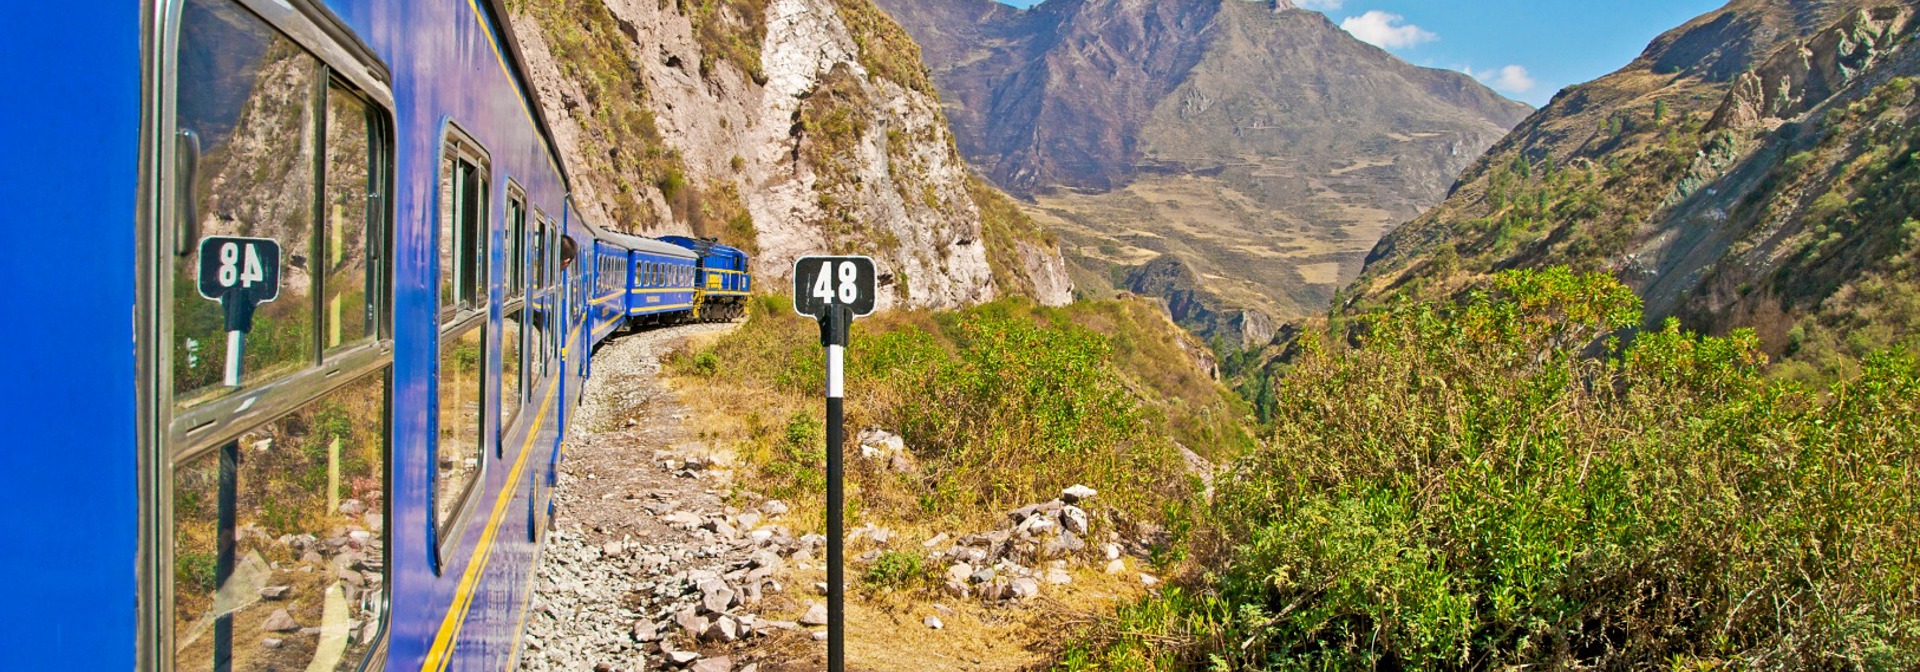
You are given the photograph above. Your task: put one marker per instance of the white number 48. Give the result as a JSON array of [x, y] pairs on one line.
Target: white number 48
[[233, 271], [849, 290]]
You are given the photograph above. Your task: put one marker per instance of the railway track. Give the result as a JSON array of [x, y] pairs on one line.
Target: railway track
[[645, 549]]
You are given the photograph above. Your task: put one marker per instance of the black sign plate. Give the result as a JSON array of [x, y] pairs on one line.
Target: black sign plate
[[823, 282], [248, 268]]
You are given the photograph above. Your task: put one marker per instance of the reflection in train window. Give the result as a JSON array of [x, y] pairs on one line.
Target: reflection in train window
[[463, 206], [278, 559], [510, 362], [540, 257], [516, 251], [459, 451], [247, 107], [346, 313]]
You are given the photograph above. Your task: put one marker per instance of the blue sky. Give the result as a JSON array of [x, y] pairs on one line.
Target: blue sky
[[1526, 49]]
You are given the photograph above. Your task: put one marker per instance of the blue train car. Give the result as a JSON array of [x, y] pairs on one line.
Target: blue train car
[[359, 322], [642, 282], [722, 281]]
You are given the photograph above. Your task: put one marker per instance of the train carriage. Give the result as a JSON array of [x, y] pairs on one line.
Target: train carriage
[[722, 282], [657, 279], [363, 305]]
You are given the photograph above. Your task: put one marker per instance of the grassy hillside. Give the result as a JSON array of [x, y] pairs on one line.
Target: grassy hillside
[[1764, 187], [1001, 405], [1460, 487]]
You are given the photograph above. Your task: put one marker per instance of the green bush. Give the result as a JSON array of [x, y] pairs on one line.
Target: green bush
[[1464, 489], [894, 569]]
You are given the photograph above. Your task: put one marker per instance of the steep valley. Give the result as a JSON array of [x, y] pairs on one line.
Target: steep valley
[[1136, 131], [786, 127]]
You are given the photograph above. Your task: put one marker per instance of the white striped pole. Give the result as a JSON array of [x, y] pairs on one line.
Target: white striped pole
[[834, 330]]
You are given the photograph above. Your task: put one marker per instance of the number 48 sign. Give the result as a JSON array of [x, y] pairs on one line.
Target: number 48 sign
[[834, 290], [821, 283]]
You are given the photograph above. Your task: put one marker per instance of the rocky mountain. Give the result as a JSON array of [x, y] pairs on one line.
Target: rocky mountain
[[786, 127], [1754, 168], [1256, 143]]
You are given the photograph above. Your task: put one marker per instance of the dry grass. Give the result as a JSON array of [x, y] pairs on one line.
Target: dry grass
[[765, 409]]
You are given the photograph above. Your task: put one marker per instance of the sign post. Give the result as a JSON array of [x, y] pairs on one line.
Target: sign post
[[240, 273], [835, 290]]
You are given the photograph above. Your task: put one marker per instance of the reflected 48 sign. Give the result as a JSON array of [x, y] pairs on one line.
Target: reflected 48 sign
[[820, 283]]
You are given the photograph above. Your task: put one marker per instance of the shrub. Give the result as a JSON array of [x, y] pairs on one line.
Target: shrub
[[894, 569], [1464, 489], [1001, 405]]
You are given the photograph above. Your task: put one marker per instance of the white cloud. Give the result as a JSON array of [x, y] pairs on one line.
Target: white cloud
[[1387, 30], [1319, 5], [1511, 79]]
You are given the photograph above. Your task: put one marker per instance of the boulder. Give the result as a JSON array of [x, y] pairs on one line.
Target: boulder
[[1074, 519], [724, 629], [1077, 493], [714, 664], [716, 596], [1062, 545], [933, 622], [691, 621], [1024, 588], [816, 615], [774, 507], [959, 572], [645, 630], [280, 621]]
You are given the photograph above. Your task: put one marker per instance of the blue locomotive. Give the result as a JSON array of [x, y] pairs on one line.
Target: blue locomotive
[[317, 307]]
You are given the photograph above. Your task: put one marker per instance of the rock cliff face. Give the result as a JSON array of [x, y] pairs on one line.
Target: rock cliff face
[[1810, 71], [788, 127], [1768, 185], [1258, 144]]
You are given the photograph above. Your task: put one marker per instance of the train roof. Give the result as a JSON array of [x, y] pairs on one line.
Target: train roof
[[639, 244], [707, 246]]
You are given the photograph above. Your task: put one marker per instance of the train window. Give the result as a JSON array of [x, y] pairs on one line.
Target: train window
[[510, 363], [248, 112], [351, 184], [278, 558], [269, 507], [463, 207], [516, 252], [540, 257], [459, 451]]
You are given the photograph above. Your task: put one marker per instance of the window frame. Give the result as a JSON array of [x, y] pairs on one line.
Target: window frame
[[512, 303], [452, 323], [515, 225], [171, 436]]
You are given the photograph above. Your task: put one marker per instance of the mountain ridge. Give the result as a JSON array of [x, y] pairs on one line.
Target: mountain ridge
[[1760, 187], [1135, 131]]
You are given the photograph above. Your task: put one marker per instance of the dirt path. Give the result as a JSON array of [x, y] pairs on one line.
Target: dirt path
[[658, 562], [647, 567]]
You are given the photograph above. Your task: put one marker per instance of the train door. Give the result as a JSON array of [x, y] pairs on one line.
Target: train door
[[266, 349]]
